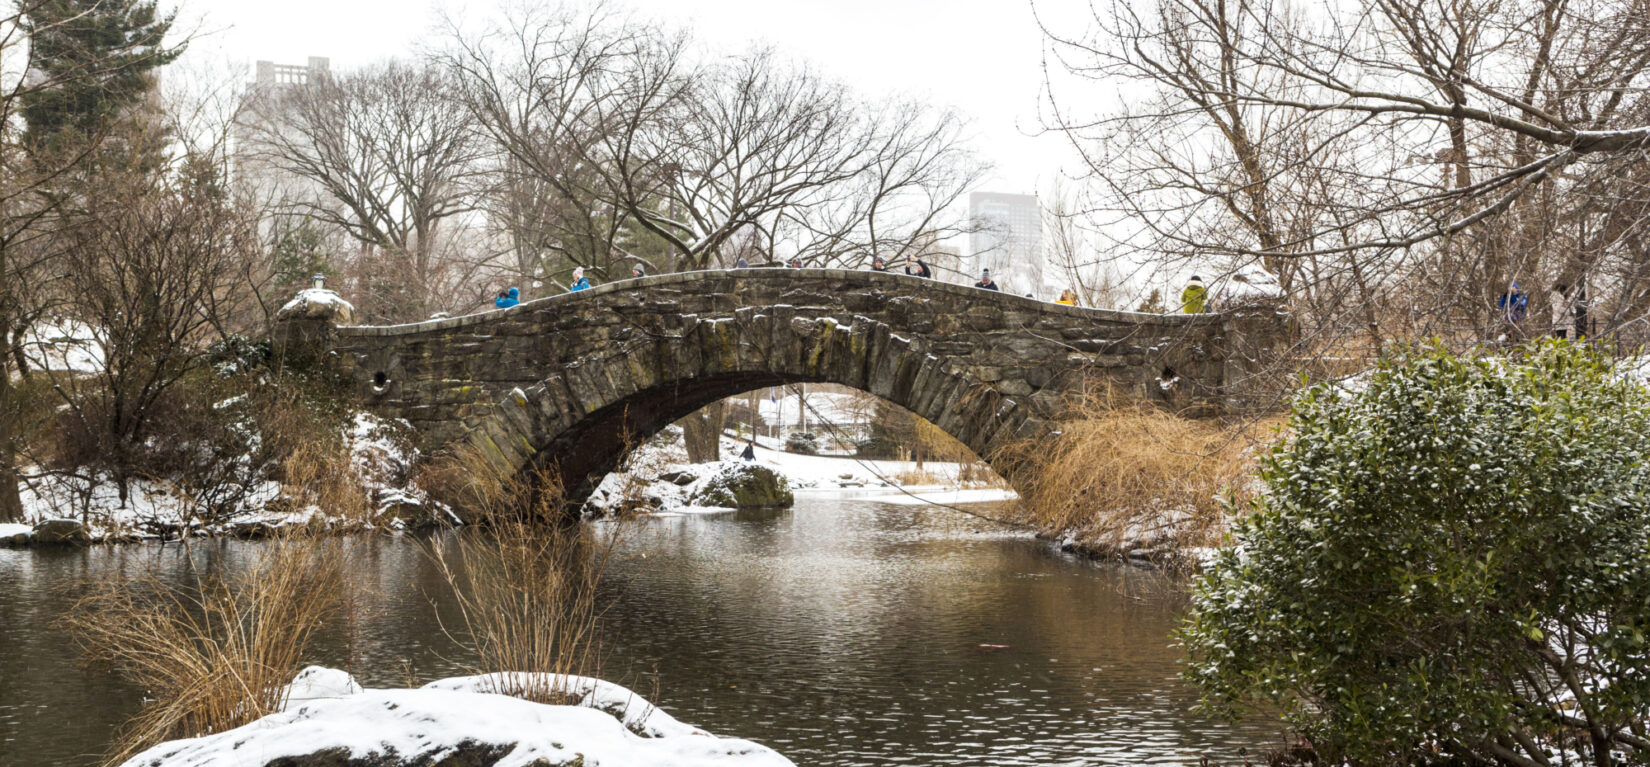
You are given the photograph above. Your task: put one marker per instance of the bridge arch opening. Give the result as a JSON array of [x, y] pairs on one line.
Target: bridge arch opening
[[580, 457]]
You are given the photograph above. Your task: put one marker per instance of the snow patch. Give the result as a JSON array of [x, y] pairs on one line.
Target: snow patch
[[607, 724]]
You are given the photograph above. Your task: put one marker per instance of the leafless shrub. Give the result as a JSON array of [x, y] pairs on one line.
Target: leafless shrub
[[217, 653], [526, 582]]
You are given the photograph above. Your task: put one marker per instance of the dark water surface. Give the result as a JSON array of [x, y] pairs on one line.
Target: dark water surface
[[839, 633]]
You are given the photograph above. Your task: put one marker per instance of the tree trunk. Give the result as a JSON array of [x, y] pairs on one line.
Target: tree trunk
[[702, 432], [11, 503], [18, 357]]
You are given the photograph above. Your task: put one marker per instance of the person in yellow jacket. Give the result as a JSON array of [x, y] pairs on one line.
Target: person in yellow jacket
[[1068, 297], [1195, 298]]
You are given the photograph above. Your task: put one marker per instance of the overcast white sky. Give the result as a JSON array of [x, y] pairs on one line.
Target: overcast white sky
[[982, 57]]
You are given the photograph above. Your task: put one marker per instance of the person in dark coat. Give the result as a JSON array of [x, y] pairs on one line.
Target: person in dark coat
[[507, 299], [917, 268], [985, 282], [877, 265], [795, 263], [750, 451]]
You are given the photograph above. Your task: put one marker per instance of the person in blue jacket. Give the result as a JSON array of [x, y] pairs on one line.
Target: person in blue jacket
[[579, 282], [1514, 304], [507, 299]]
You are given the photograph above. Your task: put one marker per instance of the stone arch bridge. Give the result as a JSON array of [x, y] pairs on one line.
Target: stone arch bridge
[[569, 382]]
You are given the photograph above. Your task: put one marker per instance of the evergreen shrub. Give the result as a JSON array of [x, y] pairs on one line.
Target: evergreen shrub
[[1451, 564]]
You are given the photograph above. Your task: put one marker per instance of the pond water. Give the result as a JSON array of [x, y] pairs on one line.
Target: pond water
[[840, 632]]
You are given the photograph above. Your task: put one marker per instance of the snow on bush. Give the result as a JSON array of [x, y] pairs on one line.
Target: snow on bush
[[1452, 560]]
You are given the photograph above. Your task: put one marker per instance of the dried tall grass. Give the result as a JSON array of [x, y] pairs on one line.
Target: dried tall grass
[[1122, 479], [526, 581], [321, 473], [217, 654]]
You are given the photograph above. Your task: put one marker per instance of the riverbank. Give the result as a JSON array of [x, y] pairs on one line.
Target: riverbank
[[378, 471]]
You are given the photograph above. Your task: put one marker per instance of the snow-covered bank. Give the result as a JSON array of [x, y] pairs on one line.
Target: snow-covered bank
[[245, 502], [657, 478], [329, 719]]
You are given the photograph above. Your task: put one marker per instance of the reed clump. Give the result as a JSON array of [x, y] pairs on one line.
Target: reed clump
[[1136, 481], [322, 473], [217, 653], [526, 579]]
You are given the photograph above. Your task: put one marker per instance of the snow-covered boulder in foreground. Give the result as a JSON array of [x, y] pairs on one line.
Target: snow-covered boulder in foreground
[[329, 720], [743, 486]]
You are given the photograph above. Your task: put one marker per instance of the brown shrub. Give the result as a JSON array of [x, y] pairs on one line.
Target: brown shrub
[[218, 654], [321, 473], [1121, 477], [526, 580]]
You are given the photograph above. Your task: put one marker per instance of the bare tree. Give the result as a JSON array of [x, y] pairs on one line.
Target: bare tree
[[30, 183], [656, 154], [392, 160], [156, 260], [1394, 162]]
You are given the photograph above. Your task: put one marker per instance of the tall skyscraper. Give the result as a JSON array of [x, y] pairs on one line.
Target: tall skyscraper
[[1008, 240]]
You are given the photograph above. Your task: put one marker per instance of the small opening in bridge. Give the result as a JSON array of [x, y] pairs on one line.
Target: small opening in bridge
[[379, 379]]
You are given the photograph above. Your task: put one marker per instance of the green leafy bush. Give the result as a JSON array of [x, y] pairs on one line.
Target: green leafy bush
[[1453, 562]]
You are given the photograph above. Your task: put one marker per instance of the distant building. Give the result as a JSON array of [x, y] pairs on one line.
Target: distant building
[[1008, 240], [269, 74], [254, 170]]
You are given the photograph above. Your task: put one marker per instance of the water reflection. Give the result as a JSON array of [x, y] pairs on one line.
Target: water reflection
[[839, 632]]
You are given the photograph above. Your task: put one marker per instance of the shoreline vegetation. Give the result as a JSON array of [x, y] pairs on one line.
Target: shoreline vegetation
[[1139, 484]]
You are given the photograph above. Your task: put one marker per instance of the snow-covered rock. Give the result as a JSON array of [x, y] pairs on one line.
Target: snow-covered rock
[[1248, 285], [460, 721], [12, 534], [743, 486], [61, 531], [318, 304]]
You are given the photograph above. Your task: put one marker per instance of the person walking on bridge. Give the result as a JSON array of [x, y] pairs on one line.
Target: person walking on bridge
[[1195, 298], [637, 272], [916, 268], [985, 282], [507, 299], [1068, 297], [579, 282], [877, 265]]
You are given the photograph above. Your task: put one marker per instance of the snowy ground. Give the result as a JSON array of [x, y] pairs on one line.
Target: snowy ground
[[893, 481], [850, 413], [157, 508], [326, 711], [67, 345]]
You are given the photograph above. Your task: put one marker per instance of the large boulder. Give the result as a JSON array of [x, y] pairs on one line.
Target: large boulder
[[61, 531], [744, 486], [330, 721]]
